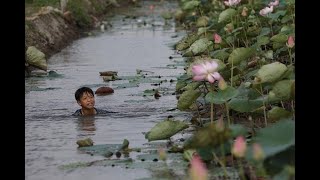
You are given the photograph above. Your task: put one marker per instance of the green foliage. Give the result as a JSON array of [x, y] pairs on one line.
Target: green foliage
[[79, 12], [40, 3]]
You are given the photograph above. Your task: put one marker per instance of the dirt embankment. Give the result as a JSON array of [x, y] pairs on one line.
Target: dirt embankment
[[50, 30]]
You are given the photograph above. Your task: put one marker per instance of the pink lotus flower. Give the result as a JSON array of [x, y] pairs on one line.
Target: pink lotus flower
[[257, 152], [275, 3], [290, 42], [244, 12], [266, 11], [151, 7], [239, 147], [217, 38], [198, 170], [206, 71], [232, 2]]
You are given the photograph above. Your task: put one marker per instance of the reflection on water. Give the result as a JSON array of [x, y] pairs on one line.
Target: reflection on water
[[50, 130], [86, 125]]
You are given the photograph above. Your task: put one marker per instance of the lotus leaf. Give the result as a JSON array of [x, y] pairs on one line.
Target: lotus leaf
[[277, 113], [240, 54], [282, 90], [186, 41], [187, 98], [189, 5], [226, 15], [270, 72], [198, 47], [202, 21], [165, 129]]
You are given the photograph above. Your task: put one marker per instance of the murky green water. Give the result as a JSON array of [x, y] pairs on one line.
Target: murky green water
[[50, 130]]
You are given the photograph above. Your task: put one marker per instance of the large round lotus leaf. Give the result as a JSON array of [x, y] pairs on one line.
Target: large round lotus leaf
[[187, 98], [36, 58], [270, 72], [221, 96], [221, 65], [240, 54], [262, 40], [275, 138], [244, 104], [186, 41], [202, 30], [190, 5], [282, 91], [180, 84], [226, 15], [202, 21], [192, 86], [277, 14], [277, 113], [198, 47], [265, 31], [287, 29], [165, 129], [220, 54], [279, 38]]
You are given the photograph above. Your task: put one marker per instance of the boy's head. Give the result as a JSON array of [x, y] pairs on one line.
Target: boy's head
[[85, 97]]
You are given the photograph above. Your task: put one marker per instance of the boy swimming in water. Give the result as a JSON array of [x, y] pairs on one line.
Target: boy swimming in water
[[85, 99]]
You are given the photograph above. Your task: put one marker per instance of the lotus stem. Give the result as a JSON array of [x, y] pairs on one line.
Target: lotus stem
[[241, 170], [264, 108], [228, 116]]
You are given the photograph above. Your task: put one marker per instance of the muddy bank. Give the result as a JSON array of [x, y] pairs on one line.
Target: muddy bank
[[50, 30]]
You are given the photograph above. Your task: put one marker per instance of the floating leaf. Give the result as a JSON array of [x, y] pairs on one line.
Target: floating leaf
[[221, 96], [240, 54], [165, 129], [100, 149], [277, 113], [226, 15], [187, 98], [270, 72]]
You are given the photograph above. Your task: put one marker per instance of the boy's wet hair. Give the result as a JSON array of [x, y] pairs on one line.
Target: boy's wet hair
[[79, 93]]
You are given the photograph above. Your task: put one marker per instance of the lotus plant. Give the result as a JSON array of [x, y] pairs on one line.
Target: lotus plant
[[238, 150], [274, 3], [265, 11], [208, 71], [217, 38], [198, 170], [290, 45], [232, 2]]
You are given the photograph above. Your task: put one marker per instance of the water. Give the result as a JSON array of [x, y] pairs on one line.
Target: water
[[50, 130]]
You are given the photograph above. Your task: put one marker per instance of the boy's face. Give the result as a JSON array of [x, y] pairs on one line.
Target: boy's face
[[87, 101]]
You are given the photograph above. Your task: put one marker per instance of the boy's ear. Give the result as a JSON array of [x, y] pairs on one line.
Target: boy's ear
[[79, 103]]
